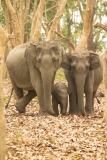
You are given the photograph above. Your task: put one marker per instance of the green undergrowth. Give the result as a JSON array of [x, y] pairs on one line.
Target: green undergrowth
[[60, 76]]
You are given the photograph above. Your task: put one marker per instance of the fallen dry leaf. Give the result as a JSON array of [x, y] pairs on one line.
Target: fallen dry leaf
[[30, 137]]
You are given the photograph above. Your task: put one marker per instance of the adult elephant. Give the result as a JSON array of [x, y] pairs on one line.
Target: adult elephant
[[32, 67], [84, 74]]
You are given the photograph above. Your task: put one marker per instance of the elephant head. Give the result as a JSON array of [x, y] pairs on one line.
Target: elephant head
[[80, 63], [43, 59]]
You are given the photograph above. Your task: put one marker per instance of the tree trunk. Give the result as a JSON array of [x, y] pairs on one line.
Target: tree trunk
[[37, 22], [69, 21], [0, 6], [3, 39], [90, 44], [60, 9], [2, 118], [87, 24], [17, 27], [105, 86]]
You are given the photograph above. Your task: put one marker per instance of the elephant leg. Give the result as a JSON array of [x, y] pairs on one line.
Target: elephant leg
[[89, 102], [89, 93], [23, 102], [94, 94], [18, 91], [63, 111], [63, 107], [73, 103], [55, 106], [73, 107]]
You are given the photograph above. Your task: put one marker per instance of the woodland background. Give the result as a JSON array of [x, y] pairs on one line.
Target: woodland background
[[75, 24]]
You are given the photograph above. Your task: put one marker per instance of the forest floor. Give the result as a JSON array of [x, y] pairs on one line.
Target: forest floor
[[30, 137]]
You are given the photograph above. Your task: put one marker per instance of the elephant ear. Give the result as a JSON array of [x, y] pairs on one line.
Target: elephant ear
[[33, 53], [66, 62], [30, 49], [94, 61]]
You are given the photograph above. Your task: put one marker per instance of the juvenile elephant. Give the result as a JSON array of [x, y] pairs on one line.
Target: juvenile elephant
[[83, 71], [60, 96], [32, 67]]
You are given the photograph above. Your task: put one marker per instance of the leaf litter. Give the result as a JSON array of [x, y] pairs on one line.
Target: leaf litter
[[30, 137]]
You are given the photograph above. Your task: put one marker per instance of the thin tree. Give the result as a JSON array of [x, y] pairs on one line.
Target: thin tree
[[60, 9], [0, 6], [15, 23], [37, 21], [104, 27], [3, 39], [87, 24], [105, 85]]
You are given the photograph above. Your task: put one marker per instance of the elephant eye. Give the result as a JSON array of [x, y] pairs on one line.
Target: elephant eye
[[54, 50], [38, 51], [73, 58], [39, 56], [73, 66], [87, 66], [87, 58], [39, 59], [54, 59]]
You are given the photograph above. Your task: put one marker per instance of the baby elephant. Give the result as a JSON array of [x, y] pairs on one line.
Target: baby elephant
[[60, 96]]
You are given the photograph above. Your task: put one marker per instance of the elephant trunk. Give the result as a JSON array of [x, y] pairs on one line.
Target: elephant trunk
[[80, 83], [47, 87]]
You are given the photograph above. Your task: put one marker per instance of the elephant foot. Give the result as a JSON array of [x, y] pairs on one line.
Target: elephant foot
[[20, 108], [74, 113], [43, 113], [56, 114], [89, 113], [63, 113]]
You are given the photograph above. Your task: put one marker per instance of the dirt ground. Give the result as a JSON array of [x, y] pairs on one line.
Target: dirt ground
[[30, 137]]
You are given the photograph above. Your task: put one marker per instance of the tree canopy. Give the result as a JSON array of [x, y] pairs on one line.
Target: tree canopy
[[26, 20]]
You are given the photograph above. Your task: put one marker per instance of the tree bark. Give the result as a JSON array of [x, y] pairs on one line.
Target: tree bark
[[2, 118], [105, 86], [80, 9], [100, 25], [60, 9], [87, 24], [1, 7], [69, 21], [37, 22], [90, 43], [15, 22], [21, 18], [3, 41]]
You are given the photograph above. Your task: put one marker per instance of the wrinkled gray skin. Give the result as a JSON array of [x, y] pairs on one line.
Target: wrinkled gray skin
[[60, 96], [83, 71], [32, 67]]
